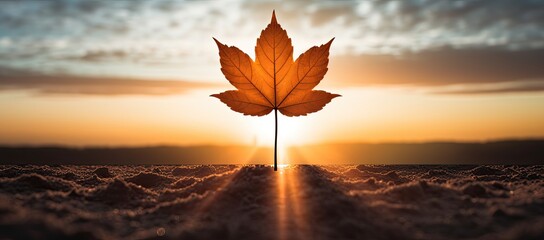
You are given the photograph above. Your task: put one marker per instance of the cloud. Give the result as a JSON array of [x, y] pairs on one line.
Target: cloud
[[441, 67], [508, 87], [396, 26], [51, 84], [423, 42], [374, 26], [100, 55]]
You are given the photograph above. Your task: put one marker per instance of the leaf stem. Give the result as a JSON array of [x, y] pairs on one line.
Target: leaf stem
[[276, 141]]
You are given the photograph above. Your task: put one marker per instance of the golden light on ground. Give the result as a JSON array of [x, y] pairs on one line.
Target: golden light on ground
[[281, 204], [290, 203]]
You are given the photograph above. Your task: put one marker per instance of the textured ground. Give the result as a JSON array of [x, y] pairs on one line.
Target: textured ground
[[254, 202]]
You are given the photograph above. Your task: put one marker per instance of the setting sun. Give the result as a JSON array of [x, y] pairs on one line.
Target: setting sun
[[291, 130]]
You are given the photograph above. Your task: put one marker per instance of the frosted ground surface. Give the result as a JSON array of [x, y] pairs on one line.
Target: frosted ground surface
[[254, 202]]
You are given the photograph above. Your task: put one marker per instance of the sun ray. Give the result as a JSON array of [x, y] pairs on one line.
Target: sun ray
[[209, 200], [292, 222], [301, 222], [281, 204]]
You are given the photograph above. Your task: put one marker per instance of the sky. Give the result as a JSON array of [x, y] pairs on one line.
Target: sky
[[113, 73]]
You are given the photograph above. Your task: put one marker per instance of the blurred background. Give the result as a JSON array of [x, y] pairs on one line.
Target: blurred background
[[139, 73]]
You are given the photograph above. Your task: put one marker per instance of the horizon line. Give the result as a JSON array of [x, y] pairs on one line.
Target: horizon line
[[159, 145]]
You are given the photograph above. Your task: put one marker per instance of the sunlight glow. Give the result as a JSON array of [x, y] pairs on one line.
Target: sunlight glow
[[288, 130], [291, 203], [290, 133], [380, 115], [281, 167]]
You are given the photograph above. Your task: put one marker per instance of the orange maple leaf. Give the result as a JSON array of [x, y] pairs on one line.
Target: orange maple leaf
[[274, 81]]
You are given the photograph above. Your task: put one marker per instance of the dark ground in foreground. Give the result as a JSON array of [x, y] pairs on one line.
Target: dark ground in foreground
[[254, 202]]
